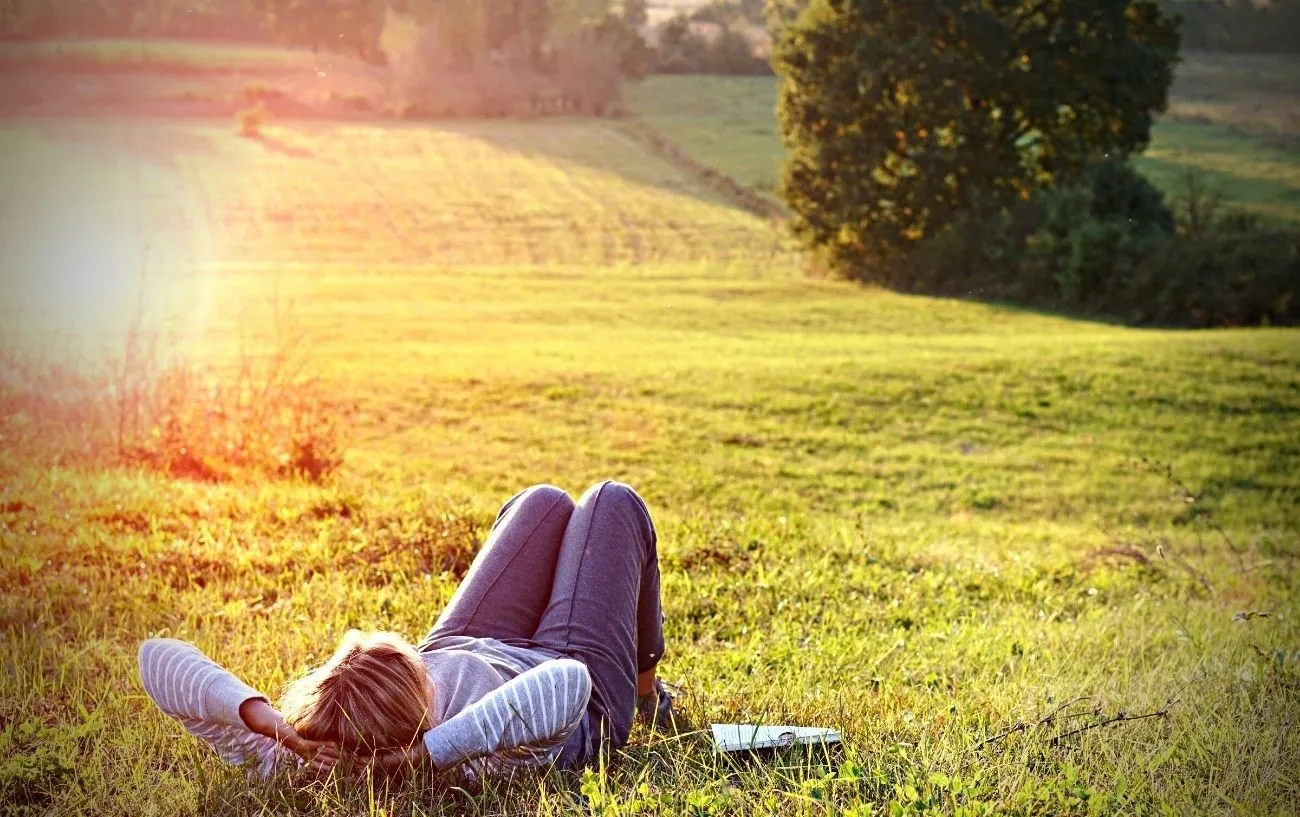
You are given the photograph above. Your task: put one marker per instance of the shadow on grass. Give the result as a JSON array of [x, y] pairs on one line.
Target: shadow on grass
[[618, 147]]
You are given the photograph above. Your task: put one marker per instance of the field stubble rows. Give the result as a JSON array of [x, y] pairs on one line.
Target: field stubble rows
[[917, 520], [536, 194]]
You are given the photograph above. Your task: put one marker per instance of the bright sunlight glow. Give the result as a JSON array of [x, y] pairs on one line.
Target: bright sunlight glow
[[94, 246]]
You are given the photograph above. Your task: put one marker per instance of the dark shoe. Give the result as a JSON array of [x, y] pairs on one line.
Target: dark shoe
[[656, 710]]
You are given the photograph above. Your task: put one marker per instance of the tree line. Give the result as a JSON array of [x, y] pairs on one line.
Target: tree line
[[716, 38], [980, 148]]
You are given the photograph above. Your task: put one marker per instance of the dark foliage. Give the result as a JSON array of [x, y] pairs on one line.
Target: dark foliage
[[902, 117], [1110, 246], [616, 33], [683, 50], [350, 26]]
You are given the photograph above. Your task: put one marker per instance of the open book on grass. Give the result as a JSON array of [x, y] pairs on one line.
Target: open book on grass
[[740, 737]]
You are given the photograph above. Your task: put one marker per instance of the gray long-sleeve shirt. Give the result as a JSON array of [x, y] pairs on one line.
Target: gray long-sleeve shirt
[[494, 705]]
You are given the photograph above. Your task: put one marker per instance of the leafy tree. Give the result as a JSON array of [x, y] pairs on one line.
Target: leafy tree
[[616, 34], [780, 13], [523, 23], [469, 32], [718, 12], [339, 25], [636, 12], [901, 117], [569, 16], [680, 49]]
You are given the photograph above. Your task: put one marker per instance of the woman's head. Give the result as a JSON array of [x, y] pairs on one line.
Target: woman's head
[[372, 694]]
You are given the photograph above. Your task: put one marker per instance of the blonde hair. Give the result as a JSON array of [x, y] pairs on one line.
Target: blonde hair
[[369, 696]]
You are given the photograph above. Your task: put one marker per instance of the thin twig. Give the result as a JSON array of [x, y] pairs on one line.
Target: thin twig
[[1122, 717], [1046, 720], [1118, 717], [1019, 727]]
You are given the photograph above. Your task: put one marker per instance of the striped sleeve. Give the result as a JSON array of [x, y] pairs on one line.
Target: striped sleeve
[[205, 698], [521, 721]]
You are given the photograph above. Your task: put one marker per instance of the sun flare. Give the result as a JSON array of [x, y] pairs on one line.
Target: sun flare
[[94, 246]]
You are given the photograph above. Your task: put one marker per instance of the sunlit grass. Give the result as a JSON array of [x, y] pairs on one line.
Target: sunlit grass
[[531, 193], [917, 521], [729, 123]]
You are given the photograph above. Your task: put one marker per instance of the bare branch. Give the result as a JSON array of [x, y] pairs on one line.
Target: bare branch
[[1019, 727], [1046, 720], [1118, 717], [1059, 714]]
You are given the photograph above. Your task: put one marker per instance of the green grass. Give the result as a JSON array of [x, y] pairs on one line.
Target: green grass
[[154, 55], [729, 123], [1254, 94], [1248, 173], [918, 521]]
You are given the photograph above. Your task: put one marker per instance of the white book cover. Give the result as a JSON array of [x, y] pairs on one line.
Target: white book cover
[[737, 737]]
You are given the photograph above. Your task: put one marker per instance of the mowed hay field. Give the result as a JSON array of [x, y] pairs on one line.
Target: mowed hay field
[[925, 523]]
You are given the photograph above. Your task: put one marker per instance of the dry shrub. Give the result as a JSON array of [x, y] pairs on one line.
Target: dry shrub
[[249, 121], [200, 422], [262, 415]]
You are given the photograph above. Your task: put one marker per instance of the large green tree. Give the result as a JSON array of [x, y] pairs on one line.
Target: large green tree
[[901, 116]]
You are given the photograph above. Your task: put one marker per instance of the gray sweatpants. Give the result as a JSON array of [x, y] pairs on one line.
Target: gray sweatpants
[[575, 579]]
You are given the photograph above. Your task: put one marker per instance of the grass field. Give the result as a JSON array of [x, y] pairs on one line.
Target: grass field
[[1232, 119], [171, 56], [918, 521], [1250, 93]]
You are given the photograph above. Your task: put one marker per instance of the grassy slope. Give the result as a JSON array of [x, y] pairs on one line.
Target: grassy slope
[[1247, 172], [728, 123], [157, 55], [876, 512]]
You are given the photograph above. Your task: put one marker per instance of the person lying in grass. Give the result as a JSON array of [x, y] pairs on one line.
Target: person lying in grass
[[546, 652]]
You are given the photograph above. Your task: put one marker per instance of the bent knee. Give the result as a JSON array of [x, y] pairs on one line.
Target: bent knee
[[618, 494], [543, 497]]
